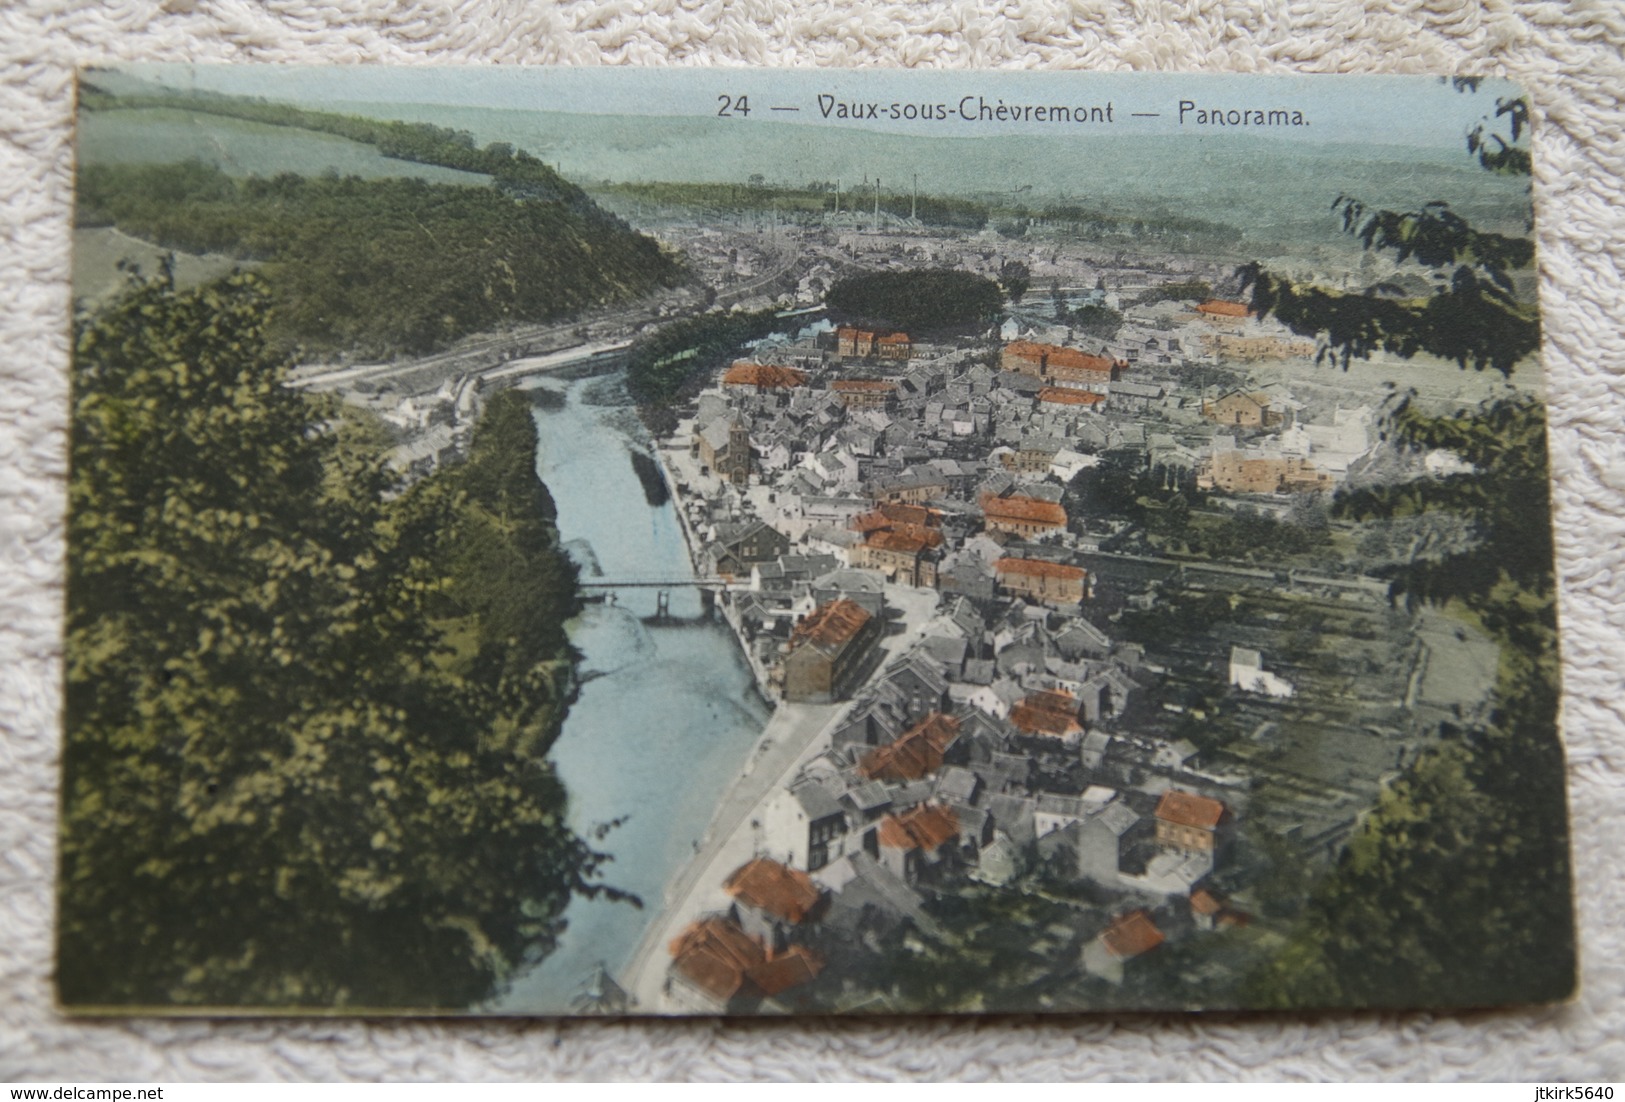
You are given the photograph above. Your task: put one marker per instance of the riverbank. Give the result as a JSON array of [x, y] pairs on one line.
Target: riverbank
[[666, 719], [681, 469]]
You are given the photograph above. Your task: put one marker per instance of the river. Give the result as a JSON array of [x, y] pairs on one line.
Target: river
[[666, 713]]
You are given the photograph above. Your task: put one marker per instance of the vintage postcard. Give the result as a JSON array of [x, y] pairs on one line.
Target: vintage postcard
[[572, 542]]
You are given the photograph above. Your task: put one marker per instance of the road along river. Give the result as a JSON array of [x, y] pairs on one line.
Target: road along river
[[667, 712]]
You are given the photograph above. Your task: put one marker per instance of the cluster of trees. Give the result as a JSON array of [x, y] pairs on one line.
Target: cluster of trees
[[970, 215], [1096, 320], [1164, 504], [306, 711], [1456, 889], [384, 266], [921, 302], [675, 362], [1194, 290]]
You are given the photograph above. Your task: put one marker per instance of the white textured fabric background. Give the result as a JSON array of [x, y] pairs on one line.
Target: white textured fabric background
[[1571, 56]]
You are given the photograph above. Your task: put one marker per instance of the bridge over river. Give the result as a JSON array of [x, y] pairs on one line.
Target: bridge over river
[[603, 589]]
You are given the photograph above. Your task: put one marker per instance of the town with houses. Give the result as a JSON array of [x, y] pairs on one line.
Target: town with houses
[[982, 600], [892, 532], [1018, 738]]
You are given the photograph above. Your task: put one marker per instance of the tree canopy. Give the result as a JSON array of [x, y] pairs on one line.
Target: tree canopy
[[1456, 889], [305, 711], [918, 301], [384, 266], [1473, 317]]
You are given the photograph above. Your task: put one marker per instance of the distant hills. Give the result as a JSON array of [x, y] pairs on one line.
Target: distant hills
[[372, 257]]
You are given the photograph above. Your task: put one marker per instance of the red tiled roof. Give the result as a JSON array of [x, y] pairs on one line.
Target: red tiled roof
[[745, 373], [1055, 355], [1189, 809], [1224, 308], [793, 967], [893, 338], [1071, 357], [715, 954], [1066, 396], [924, 827], [1017, 507], [831, 625], [911, 514], [1204, 903], [774, 889], [1030, 350], [1037, 568], [913, 754], [865, 386], [1130, 935], [1047, 712], [908, 538], [915, 520]]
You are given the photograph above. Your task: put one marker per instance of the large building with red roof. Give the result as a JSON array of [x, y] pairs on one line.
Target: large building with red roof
[[1052, 583], [1127, 938], [1023, 516], [1062, 367], [747, 375], [1188, 822], [771, 899], [1052, 713], [1223, 311], [917, 839], [827, 652]]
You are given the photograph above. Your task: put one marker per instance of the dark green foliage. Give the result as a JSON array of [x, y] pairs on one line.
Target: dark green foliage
[[1436, 237], [1000, 954], [1195, 290], [677, 359], [385, 266], [1506, 500], [920, 302], [1498, 154], [1473, 322], [303, 719], [1113, 488], [1457, 886], [1015, 277], [1180, 613], [1473, 317], [1097, 321], [1456, 889]]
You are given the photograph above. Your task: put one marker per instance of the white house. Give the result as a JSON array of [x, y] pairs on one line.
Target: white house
[[1248, 674]]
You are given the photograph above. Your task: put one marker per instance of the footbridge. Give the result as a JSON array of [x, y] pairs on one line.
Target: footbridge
[[601, 588]]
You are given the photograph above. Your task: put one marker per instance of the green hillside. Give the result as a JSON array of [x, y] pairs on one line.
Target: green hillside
[[389, 265]]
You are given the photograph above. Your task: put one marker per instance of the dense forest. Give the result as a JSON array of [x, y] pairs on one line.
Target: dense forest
[[921, 301], [383, 266], [306, 708]]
